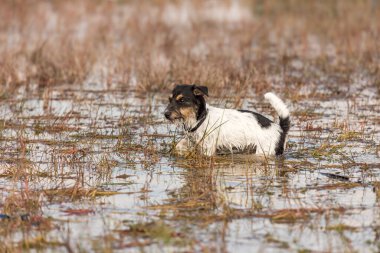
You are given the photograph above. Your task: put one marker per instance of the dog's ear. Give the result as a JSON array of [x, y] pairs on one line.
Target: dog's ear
[[200, 90]]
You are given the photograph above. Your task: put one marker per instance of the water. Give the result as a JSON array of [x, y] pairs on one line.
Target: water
[[109, 148]]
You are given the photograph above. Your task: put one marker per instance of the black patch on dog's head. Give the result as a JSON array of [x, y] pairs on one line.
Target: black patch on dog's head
[[190, 91], [185, 101], [263, 121]]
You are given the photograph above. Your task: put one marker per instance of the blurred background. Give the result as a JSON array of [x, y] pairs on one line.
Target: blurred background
[[147, 46]]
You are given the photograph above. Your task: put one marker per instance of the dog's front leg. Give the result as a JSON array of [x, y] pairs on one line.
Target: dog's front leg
[[182, 146], [208, 149]]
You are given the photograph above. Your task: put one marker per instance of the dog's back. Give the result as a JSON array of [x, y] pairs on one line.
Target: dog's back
[[236, 129], [230, 129]]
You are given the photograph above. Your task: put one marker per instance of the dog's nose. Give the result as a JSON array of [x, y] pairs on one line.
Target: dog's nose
[[167, 114]]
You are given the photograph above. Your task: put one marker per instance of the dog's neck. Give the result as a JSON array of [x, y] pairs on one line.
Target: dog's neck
[[193, 124], [199, 123]]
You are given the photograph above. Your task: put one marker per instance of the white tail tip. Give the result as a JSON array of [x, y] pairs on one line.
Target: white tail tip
[[277, 104]]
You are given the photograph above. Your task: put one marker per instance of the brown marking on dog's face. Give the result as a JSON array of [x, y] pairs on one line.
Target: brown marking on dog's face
[[188, 113], [178, 97], [180, 108], [186, 103]]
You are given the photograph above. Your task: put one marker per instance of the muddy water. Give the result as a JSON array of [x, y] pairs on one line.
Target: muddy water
[[323, 196]]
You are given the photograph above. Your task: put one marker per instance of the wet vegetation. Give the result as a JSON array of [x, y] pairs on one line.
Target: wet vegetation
[[85, 153]]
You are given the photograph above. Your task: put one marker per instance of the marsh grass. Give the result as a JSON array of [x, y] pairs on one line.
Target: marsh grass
[[83, 142]]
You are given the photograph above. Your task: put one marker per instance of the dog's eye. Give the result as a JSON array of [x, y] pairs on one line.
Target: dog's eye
[[181, 100]]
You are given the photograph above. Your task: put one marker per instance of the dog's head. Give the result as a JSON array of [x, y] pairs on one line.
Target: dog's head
[[186, 103]]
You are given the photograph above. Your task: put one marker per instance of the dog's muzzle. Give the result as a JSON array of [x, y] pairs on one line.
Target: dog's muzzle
[[171, 114]]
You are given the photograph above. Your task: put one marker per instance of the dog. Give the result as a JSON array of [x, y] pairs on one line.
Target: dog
[[212, 130]]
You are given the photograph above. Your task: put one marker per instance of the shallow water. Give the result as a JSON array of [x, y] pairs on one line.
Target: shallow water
[[116, 143]]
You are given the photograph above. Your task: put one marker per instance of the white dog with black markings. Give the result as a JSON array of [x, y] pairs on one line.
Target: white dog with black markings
[[213, 130]]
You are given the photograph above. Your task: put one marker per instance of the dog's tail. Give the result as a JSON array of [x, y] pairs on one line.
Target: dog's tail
[[283, 114]]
